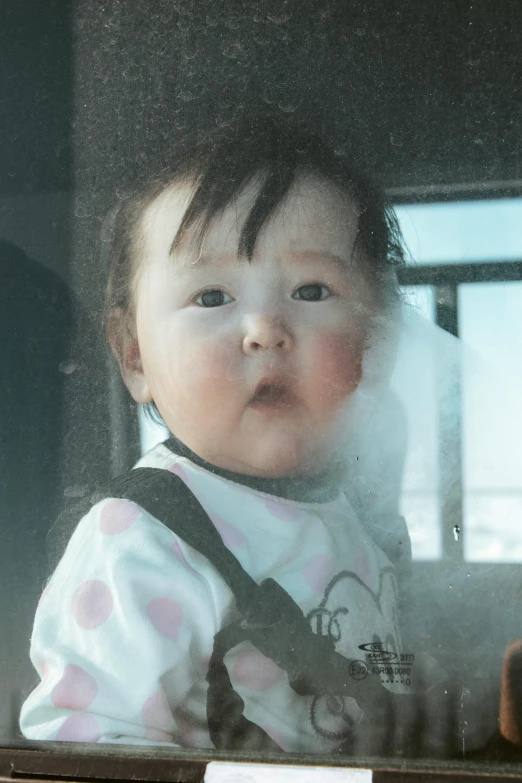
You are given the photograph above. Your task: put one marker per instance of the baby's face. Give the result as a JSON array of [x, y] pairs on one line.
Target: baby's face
[[250, 364]]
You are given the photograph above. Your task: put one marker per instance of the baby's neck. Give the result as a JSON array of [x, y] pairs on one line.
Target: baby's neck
[[310, 489]]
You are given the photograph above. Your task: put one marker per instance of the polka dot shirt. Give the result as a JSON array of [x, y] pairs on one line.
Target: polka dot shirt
[[125, 627]]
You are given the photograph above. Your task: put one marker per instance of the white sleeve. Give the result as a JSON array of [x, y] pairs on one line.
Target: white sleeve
[[122, 636]]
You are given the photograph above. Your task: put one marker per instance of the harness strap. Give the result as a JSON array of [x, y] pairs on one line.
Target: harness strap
[[269, 618], [167, 498]]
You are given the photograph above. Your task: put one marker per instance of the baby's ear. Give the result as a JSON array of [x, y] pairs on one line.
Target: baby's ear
[[125, 347]]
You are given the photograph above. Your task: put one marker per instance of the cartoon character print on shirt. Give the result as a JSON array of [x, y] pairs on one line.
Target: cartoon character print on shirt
[[370, 617], [351, 613]]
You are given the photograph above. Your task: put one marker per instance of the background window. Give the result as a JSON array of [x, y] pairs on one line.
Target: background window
[[490, 323]]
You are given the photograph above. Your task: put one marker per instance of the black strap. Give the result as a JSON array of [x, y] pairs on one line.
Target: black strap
[[269, 618], [163, 495]]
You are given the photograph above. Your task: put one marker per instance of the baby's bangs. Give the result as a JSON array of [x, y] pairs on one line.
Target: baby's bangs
[[253, 150], [275, 153], [209, 203]]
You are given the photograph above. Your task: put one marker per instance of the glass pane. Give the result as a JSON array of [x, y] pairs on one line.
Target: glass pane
[[317, 555], [490, 315], [461, 233]]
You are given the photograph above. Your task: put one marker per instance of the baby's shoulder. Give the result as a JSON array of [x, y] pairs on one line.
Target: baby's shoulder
[[119, 542], [116, 527]]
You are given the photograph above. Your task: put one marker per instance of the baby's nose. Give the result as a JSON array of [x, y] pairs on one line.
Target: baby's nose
[[265, 332]]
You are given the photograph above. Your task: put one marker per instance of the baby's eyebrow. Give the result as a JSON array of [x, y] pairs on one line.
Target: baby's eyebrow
[[188, 261], [307, 256]]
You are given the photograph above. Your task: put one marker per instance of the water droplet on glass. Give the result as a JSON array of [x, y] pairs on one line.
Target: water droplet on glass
[[288, 106], [456, 532], [67, 367], [182, 8], [232, 51], [75, 492], [279, 18], [82, 210], [232, 23], [261, 38], [395, 141], [189, 53], [186, 95]]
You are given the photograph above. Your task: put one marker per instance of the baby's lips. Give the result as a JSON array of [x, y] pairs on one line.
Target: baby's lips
[[275, 390], [278, 383], [269, 393], [273, 400]]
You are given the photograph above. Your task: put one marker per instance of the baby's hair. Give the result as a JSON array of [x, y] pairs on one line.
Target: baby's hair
[[220, 165]]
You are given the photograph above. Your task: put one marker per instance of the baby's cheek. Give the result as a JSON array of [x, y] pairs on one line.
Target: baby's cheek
[[338, 366], [211, 374]]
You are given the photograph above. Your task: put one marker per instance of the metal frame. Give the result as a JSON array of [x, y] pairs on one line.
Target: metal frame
[[61, 762]]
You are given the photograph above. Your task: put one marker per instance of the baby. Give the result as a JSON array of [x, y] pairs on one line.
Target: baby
[[248, 286]]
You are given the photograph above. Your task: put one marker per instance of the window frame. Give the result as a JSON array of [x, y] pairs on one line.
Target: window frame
[[73, 762]]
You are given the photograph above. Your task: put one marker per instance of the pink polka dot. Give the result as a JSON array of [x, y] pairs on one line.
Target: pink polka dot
[[76, 690], [166, 615], [117, 516], [256, 672], [178, 470], [274, 734], [319, 572], [156, 714], [231, 536], [282, 509], [79, 728], [92, 604]]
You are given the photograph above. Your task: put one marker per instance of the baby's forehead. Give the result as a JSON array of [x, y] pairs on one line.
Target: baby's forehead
[[313, 211], [164, 213]]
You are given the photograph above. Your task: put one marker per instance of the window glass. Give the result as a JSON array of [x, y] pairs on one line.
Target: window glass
[[462, 232], [260, 475], [489, 315], [474, 232]]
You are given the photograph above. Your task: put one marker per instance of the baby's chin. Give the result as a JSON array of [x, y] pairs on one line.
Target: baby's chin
[[280, 458]]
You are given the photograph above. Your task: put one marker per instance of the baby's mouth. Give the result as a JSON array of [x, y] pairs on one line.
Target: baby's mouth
[[273, 398]]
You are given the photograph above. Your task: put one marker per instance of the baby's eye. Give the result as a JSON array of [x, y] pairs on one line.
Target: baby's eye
[[213, 297], [312, 292]]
